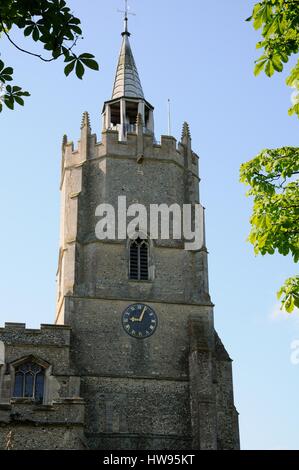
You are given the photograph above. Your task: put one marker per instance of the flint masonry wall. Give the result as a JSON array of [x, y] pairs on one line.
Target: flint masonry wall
[[137, 414], [137, 392], [24, 427]]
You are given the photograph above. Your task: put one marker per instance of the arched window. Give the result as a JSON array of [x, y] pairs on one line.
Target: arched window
[[29, 381], [139, 255]]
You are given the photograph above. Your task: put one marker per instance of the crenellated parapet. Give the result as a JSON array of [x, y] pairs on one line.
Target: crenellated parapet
[[136, 144]]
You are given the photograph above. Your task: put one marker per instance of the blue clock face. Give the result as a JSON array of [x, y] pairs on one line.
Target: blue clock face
[[139, 321]]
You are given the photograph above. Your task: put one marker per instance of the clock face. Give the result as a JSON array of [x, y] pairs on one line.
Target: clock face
[[139, 321]]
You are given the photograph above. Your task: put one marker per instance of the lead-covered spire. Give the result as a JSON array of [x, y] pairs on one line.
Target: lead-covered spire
[[127, 82]]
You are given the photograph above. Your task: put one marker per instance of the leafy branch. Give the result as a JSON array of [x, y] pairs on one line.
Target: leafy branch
[[9, 95], [39, 56], [275, 216], [289, 294], [279, 24], [49, 22]]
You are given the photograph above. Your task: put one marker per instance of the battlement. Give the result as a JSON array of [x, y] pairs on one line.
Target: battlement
[[167, 149]]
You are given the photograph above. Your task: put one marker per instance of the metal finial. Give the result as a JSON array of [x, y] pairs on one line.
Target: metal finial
[[126, 18]]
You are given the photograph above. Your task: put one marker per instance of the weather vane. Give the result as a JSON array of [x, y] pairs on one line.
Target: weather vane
[[126, 13]]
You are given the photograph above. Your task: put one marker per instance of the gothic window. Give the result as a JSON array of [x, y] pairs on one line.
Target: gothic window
[[139, 256], [29, 381]]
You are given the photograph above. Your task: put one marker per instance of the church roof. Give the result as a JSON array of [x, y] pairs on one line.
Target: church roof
[[127, 82]]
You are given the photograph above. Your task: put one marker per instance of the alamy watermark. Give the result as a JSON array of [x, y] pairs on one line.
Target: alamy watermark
[[159, 222]]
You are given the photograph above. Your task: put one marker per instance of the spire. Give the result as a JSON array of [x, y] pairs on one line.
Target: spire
[[127, 82], [127, 100]]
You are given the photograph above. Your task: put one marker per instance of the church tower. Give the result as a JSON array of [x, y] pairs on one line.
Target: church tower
[[154, 373]]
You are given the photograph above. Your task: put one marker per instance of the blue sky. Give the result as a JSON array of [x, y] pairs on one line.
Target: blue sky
[[200, 55]]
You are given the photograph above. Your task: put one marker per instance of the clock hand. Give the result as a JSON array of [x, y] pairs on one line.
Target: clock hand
[[142, 315]]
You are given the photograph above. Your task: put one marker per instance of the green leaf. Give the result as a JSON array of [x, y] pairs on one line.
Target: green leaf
[[7, 71], [294, 110], [85, 55], [19, 100], [269, 69], [291, 111], [77, 29], [56, 53], [28, 30], [68, 57], [48, 46], [69, 68], [273, 27], [5, 78], [91, 64], [8, 100], [284, 57], [79, 70], [277, 63], [259, 67], [257, 16], [35, 34], [294, 76]]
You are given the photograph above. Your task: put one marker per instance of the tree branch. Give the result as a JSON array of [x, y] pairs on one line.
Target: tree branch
[[39, 56], [24, 50], [274, 177]]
